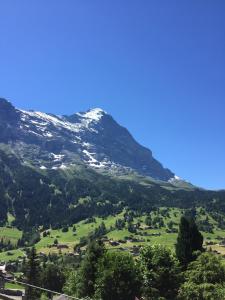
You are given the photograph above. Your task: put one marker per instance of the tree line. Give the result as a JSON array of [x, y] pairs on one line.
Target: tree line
[[191, 273], [54, 199]]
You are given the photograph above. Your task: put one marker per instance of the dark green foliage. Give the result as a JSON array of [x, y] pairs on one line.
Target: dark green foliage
[[219, 218], [189, 240], [165, 212], [117, 278], [3, 206], [204, 279], [98, 232], [190, 213], [51, 198], [65, 229], [157, 221], [29, 238], [45, 233], [83, 241], [32, 275], [53, 277], [81, 284], [90, 220], [148, 220], [205, 225], [131, 227], [161, 273], [6, 245], [170, 225], [129, 216], [120, 224]]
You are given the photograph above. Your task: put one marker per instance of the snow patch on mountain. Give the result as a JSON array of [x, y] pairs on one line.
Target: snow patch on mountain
[[90, 156], [92, 137], [174, 179], [56, 157], [63, 166], [94, 114], [41, 121]]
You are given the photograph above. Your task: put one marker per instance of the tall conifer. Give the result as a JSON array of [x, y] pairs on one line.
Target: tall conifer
[[189, 240], [32, 276]]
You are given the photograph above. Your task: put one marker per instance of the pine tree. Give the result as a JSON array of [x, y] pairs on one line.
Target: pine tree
[[196, 237], [32, 276], [52, 277], [189, 240], [82, 283]]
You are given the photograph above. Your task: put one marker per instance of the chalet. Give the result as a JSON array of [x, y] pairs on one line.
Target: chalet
[[156, 234], [4, 277], [113, 243], [8, 276], [2, 268], [209, 243]]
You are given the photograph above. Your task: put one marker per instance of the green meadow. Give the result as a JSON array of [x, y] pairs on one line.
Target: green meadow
[[144, 235]]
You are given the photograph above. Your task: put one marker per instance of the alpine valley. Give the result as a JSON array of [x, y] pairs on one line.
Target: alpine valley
[[58, 170]]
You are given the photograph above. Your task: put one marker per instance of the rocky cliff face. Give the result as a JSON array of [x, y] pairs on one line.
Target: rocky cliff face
[[94, 138]]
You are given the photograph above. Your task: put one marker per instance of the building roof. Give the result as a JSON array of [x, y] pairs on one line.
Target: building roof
[[2, 267]]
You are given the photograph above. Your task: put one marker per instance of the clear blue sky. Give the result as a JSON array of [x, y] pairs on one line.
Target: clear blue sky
[[157, 66]]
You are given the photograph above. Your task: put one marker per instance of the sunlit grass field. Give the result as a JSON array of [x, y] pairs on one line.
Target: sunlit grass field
[[83, 229]]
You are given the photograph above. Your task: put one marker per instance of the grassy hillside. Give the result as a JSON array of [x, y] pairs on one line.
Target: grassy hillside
[[30, 197], [12, 234], [134, 232]]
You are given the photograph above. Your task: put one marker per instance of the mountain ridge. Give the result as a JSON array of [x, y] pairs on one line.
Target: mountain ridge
[[51, 173], [92, 137]]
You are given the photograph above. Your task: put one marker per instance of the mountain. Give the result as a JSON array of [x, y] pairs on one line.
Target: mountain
[[93, 137], [58, 170]]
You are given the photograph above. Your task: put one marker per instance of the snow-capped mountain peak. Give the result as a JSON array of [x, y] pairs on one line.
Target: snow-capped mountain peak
[[93, 137], [94, 114]]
